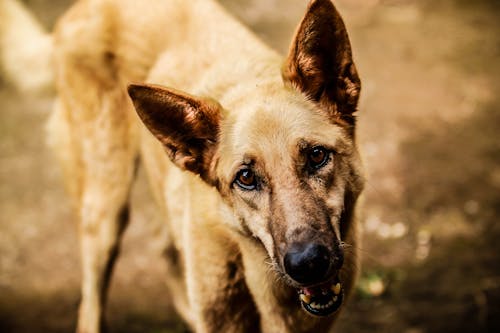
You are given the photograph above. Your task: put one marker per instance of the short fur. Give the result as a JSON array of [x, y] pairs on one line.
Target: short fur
[[232, 109]]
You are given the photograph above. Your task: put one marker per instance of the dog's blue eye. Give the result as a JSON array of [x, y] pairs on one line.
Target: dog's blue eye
[[246, 179], [317, 157]]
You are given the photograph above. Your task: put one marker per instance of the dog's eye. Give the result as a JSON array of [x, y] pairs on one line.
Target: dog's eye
[[317, 157], [246, 179]]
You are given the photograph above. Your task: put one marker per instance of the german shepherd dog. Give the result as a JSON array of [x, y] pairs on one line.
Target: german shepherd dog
[[252, 160]]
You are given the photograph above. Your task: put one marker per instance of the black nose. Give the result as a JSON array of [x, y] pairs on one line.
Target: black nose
[[307, 263]]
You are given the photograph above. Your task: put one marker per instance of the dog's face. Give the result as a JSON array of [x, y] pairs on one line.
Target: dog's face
[[287, 171], [284, 163]]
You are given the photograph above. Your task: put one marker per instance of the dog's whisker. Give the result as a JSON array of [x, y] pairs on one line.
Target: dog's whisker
[[367, 255]]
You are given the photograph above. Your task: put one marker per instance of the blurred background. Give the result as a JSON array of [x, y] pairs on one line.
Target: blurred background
[[429, 125]]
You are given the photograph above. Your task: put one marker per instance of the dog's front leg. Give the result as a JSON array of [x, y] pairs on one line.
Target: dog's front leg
[[217, 290]]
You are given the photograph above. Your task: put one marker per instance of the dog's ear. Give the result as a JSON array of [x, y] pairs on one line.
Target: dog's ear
[[320, 62], [187, 126]]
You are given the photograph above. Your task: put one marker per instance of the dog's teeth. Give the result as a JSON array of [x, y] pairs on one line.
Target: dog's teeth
[[336, 288], [305, 298], [335, 299]]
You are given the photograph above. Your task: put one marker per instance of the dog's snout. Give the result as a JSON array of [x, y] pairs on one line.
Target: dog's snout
[[307, 263]]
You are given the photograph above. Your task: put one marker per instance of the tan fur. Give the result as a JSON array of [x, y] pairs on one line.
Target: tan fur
[[25, 49], [231, 107]]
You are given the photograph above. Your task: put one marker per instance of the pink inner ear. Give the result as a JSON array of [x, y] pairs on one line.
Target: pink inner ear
[[190, 115]]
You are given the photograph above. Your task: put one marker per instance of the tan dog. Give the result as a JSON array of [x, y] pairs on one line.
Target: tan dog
[[261, 173]]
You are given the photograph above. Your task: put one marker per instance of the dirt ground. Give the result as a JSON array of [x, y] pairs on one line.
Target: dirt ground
[[429, 125]]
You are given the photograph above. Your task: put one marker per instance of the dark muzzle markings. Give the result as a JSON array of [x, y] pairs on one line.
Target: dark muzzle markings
[[308, 248]]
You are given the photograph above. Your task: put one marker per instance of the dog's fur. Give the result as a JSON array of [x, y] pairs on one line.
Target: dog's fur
[[226, 243]]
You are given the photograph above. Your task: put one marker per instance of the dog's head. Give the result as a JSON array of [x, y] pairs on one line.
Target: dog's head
[[285, 161]]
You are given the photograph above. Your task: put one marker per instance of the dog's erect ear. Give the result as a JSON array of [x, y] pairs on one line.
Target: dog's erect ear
[[320, 61], [187, 126]]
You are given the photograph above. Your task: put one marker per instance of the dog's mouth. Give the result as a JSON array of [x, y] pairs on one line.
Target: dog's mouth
[[322, 300]]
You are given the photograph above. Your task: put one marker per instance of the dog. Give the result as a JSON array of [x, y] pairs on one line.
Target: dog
[[251, 159]]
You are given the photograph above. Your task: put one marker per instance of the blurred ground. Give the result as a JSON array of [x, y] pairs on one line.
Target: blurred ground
[[429, 132]]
